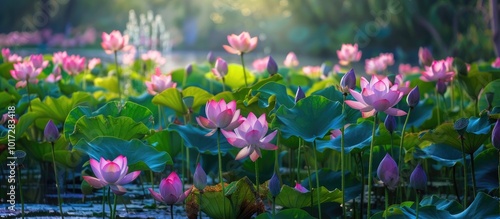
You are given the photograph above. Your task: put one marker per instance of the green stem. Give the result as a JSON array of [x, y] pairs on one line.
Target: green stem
[[118, 76], [223, 84], [417, 195], [109, 201], [103, 202], [160, 127], [362, 173], [473, 175], [152, 178], [370, 166], [452, 94], [465, 172], [28, 91], [257, 179], [437, 107], [476, 107], [310, 182], [400, 157], [462, 102], [188, 163], [59, 202], [386, 202], [21, 191], [342, 159], [244, 71], [171, 211], [114, 206], [220, 172], [317, 178], [274, 207], [455, 184]]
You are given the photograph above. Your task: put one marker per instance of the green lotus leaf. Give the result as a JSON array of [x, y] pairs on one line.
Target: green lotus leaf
[[200, 96], [165, 140], [492, 87], [171, 98], [194, 137], [356, 137], [291, 198]]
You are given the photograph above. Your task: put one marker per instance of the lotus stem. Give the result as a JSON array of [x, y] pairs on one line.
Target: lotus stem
[[200, 198], [455, 185], [59, 201], [84, 82], [28, 91], [21, 192], [465, 172], [152, 178], [342, 159], [183, 166], [452, 94], [114, 207], [171, 211], [362, 170], [220, 173], [401, 158], [298, 160], [370, 166], [223, 84], [274, 207], [476, 107], [118, 76], [244, 71], [317, 179], [386, 202], [473, 175], [437, 107], [103, 206], [417, 195], [109, 201]]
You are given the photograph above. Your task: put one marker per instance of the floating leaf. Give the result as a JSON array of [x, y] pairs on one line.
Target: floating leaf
[[194, 137], [140, 156], [291, 198], [235, 77], [167, 141], [171, 98], [356, 137], [486, 167], [332, 180], [444, 154]]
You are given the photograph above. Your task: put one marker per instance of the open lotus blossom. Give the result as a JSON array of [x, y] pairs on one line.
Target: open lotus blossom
[[74, 64], [388, 172], [438, 71], [387, 58], [38, 61], [239, 44], [496, 63], [348, 53], [250, 136], [260, 65], [154, 56], [170, 190], [220, 116], [407, 69], [93, 63], [25, 72], [291, 60], [378, 95], [159, 82], [114, 41], [55, 76], [312, 71], [59, 57], [112, 173], [425, 56], [8, 57], [300, 188], [128, 57], [374, 65], [403, 86]]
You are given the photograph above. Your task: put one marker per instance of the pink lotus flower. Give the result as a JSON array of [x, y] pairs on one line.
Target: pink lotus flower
[[129, 56], [496, 63], [348, 53], [374, 65], [74, 64], [425, 56], [378, 95], [407, 69], [260, 65], [154, 56], [437, 71], [239, 44], [112, 173], [250, 136], [55, 76], [335, 133], [220, 69], [403, 86], [291, 60], [220, 116], [387, 59], [38, 62], [312, 71], [300, 188], [25, 72], [8, 57], [5, 53], [93, 63], [114, 42], [170, 190], [159, 82], [58, 57]]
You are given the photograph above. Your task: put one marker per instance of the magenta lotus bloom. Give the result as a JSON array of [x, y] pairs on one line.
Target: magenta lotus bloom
[[495, 135], [112, 173], [439, 70], [8, 57], [25, 72], [348, 53], [38, 61], [388, 172], [55, 76], [59, 57], [199, 178], [374, 65], [378, 95], [291, 60], [242, 43], [159, 82], [220, 69], [51, 133], [407, 69], [170, 190], [418, 178], [220, 116], [425, 56], [250, 136], [403, 86], [496, 63], [114, 42], [93, 63], [300, 188], [312, 71], [74, 64]]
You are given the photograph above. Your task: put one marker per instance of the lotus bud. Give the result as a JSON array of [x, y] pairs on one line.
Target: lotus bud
[[348, 81], [413, 97], [274, 185], [272, 67], [495, 135], [221, 67], [390, 123], [441, 87], [300, 188], [326, 69], [418, 178], [51, 132], [189, 69], [388, 172], [461, 125], [425, 56], [199, 178], [211, 58], [299, 95]]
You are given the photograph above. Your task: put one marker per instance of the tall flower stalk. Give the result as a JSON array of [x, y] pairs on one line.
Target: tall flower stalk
[[370, 165], [112, 43], [239, 45], [461, 125], [51, 134]]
